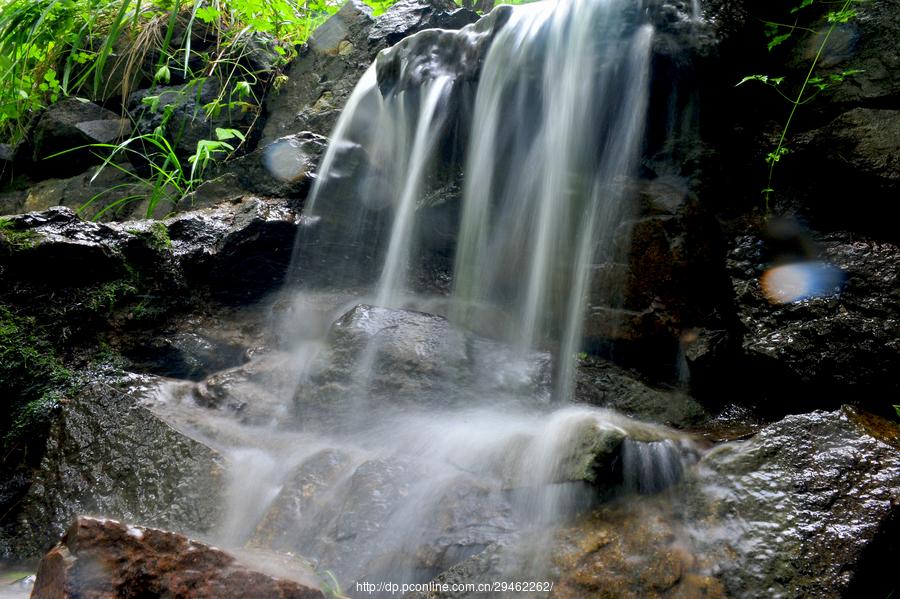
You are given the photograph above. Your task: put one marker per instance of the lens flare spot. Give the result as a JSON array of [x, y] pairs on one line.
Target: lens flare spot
[[798, 281], [286, 161]]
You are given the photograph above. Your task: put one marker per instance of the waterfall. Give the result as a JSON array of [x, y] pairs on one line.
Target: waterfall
[[557, 116], [474, 183]]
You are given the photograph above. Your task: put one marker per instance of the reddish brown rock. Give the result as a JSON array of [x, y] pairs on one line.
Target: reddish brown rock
[[105, 559]]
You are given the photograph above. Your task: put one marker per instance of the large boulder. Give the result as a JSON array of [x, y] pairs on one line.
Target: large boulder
[[321, 78], [403, 357], [806, 508], [820, 351], [240, 250], [106, 558], [105, 454]]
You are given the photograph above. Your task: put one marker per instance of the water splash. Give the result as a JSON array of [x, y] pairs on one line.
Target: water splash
[[402, 480]]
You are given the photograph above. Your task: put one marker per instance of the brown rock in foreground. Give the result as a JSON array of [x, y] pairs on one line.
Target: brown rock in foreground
[[104, 559]]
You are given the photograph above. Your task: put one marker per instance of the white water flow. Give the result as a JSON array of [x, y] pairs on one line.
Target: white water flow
[[406, 423], [546, 170]]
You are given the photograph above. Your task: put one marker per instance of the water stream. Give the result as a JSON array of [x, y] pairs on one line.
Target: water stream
[[382, 441]]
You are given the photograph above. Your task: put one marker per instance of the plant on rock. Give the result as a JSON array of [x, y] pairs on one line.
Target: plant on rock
[[812, 84]]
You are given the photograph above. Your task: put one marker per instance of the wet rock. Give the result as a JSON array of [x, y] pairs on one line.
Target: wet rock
[[867, 43], [104, 454], [604, 384], [322, 77], [414, 358], [99, 557], [486, 567], [70, 124], [284, 168], [57, 247], [354, 514], [186, 355], [821, 351], [240, 250], [406, 17], [674, 283], [807, 507], [856, 155], [631, 548]]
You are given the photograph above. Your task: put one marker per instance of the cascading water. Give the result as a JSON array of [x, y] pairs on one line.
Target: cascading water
[[395, 443]]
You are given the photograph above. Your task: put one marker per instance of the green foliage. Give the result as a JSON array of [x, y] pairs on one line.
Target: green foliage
[[209, 149], [51, 49], [812, 84], [32, 378]]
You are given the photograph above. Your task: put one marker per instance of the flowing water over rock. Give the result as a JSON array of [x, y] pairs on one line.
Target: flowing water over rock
[[394, 443]]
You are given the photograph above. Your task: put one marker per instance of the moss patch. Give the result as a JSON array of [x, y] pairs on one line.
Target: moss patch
[[32, 379], [18, 240], [156, 236]]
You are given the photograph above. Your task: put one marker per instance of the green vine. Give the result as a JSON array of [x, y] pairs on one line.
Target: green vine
[[778, 33]]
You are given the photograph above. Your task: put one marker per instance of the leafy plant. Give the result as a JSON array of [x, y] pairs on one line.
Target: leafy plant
[[812, 84], [208, 149], [50, 49]]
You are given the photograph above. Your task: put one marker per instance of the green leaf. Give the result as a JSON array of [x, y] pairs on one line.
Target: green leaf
[[801, 6], [778, 40], [840, 16], [207, 14], [163, 75], [223, 134], [762, 78]]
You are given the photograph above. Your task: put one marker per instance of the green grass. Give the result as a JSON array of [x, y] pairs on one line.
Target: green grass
[[50, 49]]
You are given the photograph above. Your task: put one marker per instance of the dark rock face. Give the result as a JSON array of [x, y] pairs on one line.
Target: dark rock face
[[806, 508], [104, 558], [240, 250], [822, 351], [56, 247], [868, 43], [604, 384], [674, 288], [186, 355], [105, 454], [852, 164], [69, 124], [324, 74]]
